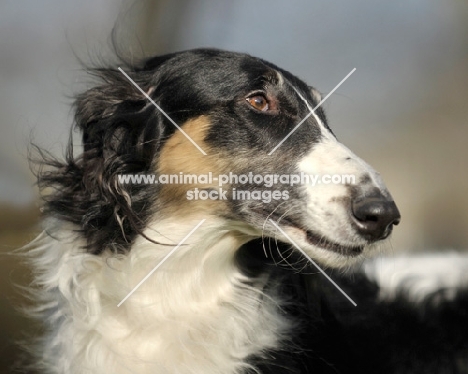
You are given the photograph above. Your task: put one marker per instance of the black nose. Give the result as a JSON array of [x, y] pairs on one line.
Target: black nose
[[374, 216]]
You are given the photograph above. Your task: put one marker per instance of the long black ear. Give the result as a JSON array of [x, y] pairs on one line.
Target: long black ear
[[121, 132]]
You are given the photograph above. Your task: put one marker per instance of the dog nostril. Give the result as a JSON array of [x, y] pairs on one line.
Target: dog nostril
[[375, 216]]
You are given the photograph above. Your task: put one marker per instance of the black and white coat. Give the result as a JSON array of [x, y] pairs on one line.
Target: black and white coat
[[236, 296]]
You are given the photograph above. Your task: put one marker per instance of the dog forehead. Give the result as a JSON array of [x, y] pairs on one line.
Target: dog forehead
[[213, 71], [238, 67], [219, 66], [239, 72], [224, 71]]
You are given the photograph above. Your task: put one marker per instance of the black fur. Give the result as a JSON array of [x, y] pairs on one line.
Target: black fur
[[334, 337]]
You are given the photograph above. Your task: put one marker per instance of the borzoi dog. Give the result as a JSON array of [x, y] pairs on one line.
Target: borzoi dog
[[179, 241]]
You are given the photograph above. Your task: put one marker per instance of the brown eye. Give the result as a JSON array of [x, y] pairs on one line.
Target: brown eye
[[259, 102]]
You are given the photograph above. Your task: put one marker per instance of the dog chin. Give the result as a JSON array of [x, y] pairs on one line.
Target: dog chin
[[335, 260]]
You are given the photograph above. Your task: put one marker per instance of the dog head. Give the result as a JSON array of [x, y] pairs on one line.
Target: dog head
[[229, 116]]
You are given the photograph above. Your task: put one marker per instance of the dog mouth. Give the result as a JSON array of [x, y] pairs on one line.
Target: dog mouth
[[324, 243]]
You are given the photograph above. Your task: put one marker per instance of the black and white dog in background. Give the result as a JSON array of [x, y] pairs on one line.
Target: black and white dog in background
[[236, 296]]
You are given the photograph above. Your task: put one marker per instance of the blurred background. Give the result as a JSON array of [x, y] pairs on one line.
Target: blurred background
[[404, 110]]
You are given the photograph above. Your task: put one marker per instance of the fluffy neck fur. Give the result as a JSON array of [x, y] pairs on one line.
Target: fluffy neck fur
[[196, 314]]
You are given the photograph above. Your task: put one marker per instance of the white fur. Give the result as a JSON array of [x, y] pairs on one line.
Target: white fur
[[193, 315], [418, 276]]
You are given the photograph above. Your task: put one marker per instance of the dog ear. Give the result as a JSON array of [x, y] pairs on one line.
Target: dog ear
[[121, 132], [116, 120]]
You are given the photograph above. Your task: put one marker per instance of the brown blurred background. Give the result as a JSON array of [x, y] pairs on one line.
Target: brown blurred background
[[404, 110]]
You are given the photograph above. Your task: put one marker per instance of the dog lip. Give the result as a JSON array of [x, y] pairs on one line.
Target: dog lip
[[324, 243], [320, 241]]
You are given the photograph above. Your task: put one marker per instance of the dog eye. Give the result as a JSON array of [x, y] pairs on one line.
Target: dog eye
[[259, 102]]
